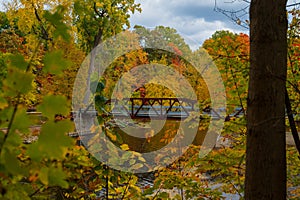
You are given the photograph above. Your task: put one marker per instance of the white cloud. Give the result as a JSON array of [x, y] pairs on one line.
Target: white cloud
[[196, 31], [206, 3], [195, 20]]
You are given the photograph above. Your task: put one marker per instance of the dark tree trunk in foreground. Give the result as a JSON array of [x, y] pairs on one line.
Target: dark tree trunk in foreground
[[266, 160]]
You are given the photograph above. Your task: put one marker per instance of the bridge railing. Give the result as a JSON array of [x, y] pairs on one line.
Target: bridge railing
[[159, 107]]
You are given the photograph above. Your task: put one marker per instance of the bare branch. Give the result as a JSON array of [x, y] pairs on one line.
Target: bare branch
[[294, 4], [45, 34], [292, 121], [237, 15], [101, 14], [37, 191]]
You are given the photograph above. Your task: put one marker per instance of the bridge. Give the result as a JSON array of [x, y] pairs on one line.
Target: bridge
[[152, 107]]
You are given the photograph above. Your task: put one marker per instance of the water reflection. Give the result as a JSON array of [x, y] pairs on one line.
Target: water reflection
[[154, 135]]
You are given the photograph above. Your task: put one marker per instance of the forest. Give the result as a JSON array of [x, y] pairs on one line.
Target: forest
[[47, 49]]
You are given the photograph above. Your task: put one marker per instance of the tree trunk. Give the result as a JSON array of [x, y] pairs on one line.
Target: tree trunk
[[97, 41], [266, 160]]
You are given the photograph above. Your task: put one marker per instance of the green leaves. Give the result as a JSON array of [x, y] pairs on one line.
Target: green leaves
[[53, 176], [10, 161], [57, 20], [22, 129], [18, 61], [18, 82], [53, 105], [55, 63], [40, 162], [99, 20], [53, 141]]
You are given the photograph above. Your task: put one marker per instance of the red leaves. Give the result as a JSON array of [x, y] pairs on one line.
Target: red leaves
[[176, 49]]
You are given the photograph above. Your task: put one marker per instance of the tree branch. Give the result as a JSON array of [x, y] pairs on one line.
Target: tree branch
[[127, 187], [18, 101], [233, 15], [97, 12], [37, 191], [294, 4], [45, 34], [292, 122]]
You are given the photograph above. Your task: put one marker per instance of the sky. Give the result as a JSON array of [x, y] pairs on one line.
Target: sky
[[195, 20]]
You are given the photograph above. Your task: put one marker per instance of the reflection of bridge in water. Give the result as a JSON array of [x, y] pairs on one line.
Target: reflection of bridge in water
[[152, 107]]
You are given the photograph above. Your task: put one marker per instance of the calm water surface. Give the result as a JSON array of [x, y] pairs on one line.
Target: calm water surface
[[145, 135]]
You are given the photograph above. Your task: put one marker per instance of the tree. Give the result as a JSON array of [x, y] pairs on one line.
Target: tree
[[61, 84], [98, 20], [293, 74], [266, 158], [177, 55], [23, 164], [231, 54]]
